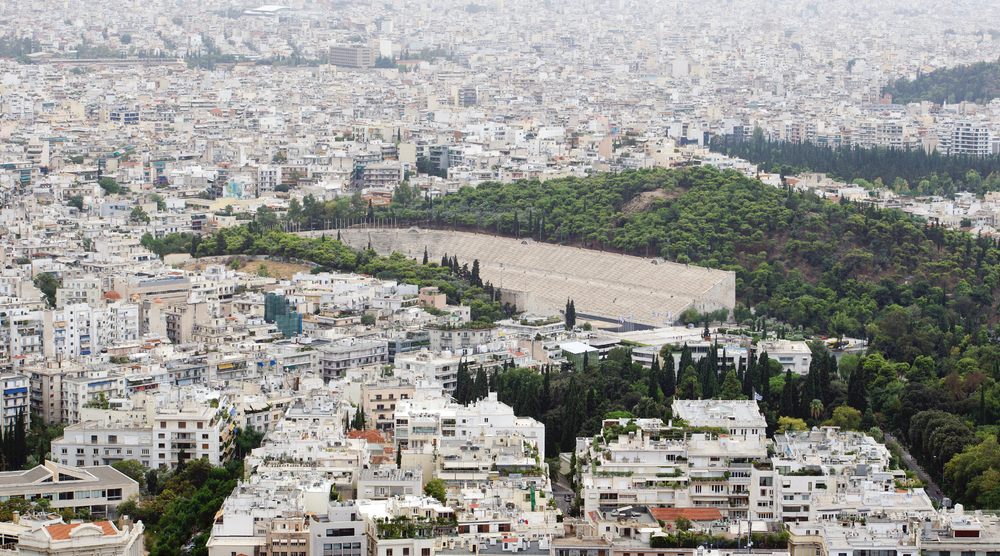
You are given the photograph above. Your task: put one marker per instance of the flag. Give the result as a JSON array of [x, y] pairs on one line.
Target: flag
[[757, 396]]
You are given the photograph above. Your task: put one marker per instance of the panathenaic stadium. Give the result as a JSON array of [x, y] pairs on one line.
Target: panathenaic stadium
[[539, 277]]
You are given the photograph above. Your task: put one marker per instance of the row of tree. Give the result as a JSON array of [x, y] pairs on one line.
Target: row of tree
[[906, 171]]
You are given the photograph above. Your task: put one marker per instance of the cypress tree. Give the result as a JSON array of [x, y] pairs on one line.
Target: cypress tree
[[686, 361], [571, 416], [20, 442], [654, 380], [481, 388], [425, 255], [476, 280], [764, 372], [750, 379], [788, 405], [445, 262]]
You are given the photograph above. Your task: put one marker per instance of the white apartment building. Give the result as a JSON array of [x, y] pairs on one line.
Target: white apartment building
[[422, 421], [74, 291], [14, 397], [100, 489], [81, 329], [336, 359], [425, 365], [100, 538], [970, 137], [192, 432]]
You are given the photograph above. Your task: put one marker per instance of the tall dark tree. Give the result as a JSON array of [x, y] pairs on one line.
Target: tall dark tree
[[764, 372], [425, 256], [474, 279], [572, 417], [481, 388], [788, 406], [654, 380], [857, 390]]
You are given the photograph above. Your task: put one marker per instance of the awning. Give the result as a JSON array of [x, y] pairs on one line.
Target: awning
[[225, 366]]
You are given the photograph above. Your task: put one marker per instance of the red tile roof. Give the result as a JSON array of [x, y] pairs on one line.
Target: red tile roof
[[61, 532], [371, 436], [694, 514]]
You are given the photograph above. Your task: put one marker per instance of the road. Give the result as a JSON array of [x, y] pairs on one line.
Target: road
[[560, 489], [932, 489]]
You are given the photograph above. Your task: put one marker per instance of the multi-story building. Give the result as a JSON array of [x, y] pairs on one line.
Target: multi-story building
[[380, 399], [336, 359], [14, 397], [73, 291], [352, 56], [190, 432], [99, 538], [98, 489], [387, 525], [970, 137], [423, 421]]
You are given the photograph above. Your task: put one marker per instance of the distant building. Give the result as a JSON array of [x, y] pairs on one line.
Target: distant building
[[352, 56]]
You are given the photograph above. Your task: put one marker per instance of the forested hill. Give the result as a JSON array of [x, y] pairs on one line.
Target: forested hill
[[979, 83], [829, 268]]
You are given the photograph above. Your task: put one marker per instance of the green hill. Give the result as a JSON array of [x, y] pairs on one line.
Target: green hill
[[979, 83]]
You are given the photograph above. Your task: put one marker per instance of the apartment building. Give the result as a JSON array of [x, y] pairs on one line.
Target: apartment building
[[99, 489], [86, 290], [176, 433], [380, 399], [336, 359], [352, 56], [424, 421], [14, 397]]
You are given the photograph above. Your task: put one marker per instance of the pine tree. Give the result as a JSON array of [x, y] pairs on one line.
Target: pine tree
[[731, 388], [690, 386]]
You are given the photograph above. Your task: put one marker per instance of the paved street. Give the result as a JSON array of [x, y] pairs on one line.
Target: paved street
[[932, 488]]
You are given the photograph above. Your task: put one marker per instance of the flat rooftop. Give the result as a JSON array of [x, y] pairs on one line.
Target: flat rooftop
[[719, 413]]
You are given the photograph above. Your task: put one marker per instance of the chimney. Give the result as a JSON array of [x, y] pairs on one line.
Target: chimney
[[16, 517]]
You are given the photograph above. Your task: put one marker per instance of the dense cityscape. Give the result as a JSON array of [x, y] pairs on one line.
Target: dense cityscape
[[430, 278]]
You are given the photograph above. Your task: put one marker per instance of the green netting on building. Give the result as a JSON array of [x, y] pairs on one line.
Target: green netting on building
[[278, 310]]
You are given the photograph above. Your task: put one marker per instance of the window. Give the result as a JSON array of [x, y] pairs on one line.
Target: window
[[406, 552], [112, 439], [388, 552], [182, 425], [425, 552], [114, 494], [163, 425], [93, 439]]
